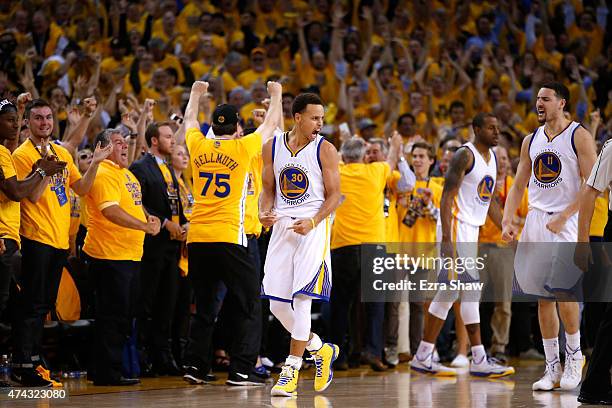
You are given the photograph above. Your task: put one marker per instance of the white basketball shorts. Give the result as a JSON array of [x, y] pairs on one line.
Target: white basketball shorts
[[298, 264], [544, 261]]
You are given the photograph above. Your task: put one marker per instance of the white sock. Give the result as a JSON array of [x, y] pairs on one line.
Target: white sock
[[294, 361], [479, 355], [424, 351], [572, 345], [551, 350], [315, 343]]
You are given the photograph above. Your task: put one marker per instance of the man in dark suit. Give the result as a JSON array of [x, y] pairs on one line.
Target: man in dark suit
[[159, 275]]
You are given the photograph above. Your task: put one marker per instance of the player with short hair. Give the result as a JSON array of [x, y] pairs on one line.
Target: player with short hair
[[554, 160], [301, 188]]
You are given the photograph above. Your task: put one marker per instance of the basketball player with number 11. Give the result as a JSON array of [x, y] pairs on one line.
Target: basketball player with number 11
[[554, 161]]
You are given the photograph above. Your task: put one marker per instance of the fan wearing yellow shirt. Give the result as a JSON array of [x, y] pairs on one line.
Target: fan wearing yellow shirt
[[45, 223], [11, 192], [401, 181], [258, 72], [216, 240], [362, 186], [114, 245]]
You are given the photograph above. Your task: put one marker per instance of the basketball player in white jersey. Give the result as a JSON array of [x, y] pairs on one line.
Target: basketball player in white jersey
[[554, 161], [466, 200], [301, 188]]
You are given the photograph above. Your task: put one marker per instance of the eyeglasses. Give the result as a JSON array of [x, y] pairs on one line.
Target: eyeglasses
[[85, 156]]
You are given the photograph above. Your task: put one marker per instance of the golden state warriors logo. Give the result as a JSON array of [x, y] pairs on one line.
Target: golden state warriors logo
[[293, 183], [547, 167], [485, 188]]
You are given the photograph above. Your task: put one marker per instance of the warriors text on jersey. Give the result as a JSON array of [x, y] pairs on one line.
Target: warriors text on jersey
[[555, 174], [299, 180]]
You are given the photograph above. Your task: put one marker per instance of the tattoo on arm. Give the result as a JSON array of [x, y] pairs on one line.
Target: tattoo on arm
[[456, 170]]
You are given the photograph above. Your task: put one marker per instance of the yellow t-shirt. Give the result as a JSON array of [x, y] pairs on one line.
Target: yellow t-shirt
[[249, 77], [362, 187], [254, 187], [68, 302], [75, 213], [489, 232], [9, 220], [600, 216], [391, 227], [220, 174], [105, 239], [48, 220], [110, 64], [187, 202], [424, 228], [246, 112]]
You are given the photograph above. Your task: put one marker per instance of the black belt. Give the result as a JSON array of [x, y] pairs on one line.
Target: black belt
[[249, 236]]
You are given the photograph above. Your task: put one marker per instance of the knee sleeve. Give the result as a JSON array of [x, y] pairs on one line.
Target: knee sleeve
[[440, 309], [470, 313], [302, 318], [283, 312]]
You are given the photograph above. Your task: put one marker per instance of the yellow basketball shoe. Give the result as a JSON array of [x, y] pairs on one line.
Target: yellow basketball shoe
[[46, 374], [286, 386], [323, 359]]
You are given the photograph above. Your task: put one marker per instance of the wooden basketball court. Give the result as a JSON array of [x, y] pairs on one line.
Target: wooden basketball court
[[354, 388]]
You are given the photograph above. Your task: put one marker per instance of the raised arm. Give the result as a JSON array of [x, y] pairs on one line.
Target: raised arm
[[268, 193], [191, 111], [461, 161], [271, 122]]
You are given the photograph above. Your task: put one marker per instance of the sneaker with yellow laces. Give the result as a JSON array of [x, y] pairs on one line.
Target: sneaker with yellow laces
[[323, 359], [46, 374], [286, 386]]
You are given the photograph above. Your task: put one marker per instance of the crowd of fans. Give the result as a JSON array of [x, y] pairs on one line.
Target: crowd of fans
[[423, 69]]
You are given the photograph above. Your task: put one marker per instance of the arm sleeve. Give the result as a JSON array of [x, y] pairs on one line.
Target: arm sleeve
[[601, 175], [407, 179]]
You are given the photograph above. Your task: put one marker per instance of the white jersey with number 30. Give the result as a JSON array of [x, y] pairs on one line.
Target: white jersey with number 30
[[300, 190]]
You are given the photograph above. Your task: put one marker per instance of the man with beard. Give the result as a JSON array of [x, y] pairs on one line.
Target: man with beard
[[44, 230], [11, 192]]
